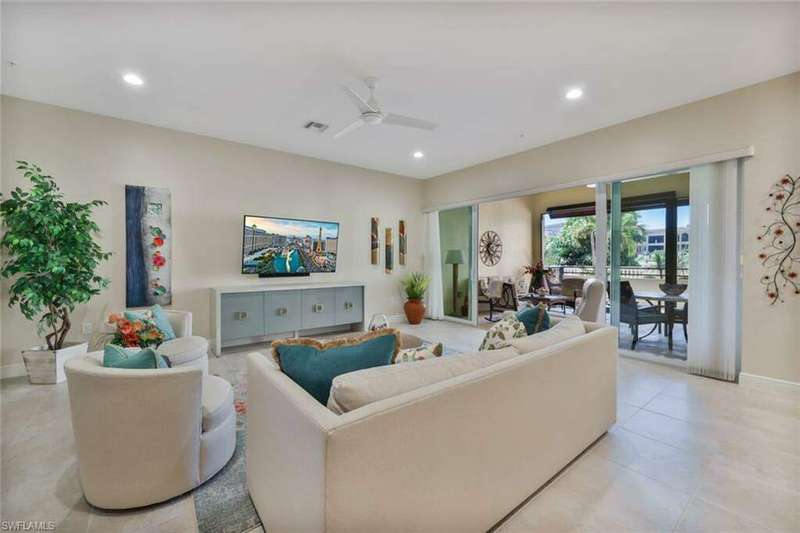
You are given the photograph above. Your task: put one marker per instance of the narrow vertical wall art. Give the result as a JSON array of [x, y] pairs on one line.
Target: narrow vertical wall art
[[374, 241], [148, 246], [401, 243], [389, 251]]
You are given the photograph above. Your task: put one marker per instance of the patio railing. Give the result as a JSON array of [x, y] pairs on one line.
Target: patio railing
[[630, 272]]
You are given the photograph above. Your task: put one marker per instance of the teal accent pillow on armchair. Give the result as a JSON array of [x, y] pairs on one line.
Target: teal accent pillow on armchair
[[313, 364], [118, 357], [535, 319], [156, 315]]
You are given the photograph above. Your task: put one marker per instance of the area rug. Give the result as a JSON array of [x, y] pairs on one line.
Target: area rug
[[223, 504]]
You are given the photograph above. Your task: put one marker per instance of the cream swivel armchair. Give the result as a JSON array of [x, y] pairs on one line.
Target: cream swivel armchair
[[145, 436]]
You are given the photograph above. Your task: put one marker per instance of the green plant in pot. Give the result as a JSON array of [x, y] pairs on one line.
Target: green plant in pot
[[50, 261], [415, 285]]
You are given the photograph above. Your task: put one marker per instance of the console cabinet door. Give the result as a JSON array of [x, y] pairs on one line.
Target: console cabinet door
[[319, 308], [349, 305], [242, 315], [282, 311]]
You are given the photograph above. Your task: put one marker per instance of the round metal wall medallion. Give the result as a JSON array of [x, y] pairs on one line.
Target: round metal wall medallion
[[491, 248]]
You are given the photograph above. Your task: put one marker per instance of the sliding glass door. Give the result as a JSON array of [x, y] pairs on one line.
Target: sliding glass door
[[457, 228]]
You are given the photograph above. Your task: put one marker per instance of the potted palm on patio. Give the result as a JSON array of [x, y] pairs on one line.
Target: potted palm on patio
[[50, 259]]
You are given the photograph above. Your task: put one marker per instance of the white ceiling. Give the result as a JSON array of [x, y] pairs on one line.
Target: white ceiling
[[493, 75]]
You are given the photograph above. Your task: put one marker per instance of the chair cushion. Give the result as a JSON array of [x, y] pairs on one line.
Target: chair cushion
[[313, 364], [156, 315], [535, 318], [357, 389], [569, 327], [118, 357], [183, 350], [217, 402]]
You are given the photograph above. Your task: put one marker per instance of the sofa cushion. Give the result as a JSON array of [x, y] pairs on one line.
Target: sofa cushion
[[184, 349], [155, 315], [407, 355], [501, 334], [357, 389], [313, 364], [535, 318], [217, 402], [569, 327], [118, 357]]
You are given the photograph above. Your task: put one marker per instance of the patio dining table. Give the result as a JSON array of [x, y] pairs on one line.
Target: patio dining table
[[669, 306]]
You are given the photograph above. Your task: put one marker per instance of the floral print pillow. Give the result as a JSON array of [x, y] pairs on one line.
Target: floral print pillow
[[418, 354], [500, 335]]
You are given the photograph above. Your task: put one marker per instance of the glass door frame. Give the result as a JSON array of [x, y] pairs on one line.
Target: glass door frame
[[472, 319]]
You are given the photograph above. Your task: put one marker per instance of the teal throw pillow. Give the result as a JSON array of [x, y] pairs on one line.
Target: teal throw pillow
[[157, 316], [118, 357], [313, 364], [535, 319]]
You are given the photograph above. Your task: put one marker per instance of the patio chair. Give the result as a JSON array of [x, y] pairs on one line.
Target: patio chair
[[634, 315]]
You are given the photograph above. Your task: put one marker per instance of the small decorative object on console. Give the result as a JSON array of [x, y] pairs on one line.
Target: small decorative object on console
[[780, 253]]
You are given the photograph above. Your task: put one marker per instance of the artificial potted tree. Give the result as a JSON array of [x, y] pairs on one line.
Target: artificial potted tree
[[50, 261], [415, 285]]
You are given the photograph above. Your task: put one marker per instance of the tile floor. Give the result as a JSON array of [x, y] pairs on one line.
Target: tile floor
[[687, 454]]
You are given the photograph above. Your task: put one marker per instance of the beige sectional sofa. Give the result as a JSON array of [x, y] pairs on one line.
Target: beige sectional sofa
[[457, 455]]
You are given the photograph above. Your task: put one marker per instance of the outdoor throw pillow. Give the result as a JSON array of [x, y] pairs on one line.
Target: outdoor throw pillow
[[535, 319], [156, 315], [118, 357], [313, 364], [418, 354], [501, 334]]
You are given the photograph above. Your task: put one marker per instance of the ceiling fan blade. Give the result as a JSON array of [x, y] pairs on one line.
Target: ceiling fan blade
[[347, 129], [362, 105], [409, 122]]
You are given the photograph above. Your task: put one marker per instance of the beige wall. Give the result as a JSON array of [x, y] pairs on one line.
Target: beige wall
[[213, 184], [763, 116], [513, 221]]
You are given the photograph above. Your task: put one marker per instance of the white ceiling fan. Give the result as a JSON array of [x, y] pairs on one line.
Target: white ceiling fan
[[372, 115]]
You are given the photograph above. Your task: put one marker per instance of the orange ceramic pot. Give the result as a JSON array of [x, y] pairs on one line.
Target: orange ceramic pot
[[415, 310]]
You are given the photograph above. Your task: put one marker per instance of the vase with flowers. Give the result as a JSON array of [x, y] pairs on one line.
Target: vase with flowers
[[141, 333], [537, 272]]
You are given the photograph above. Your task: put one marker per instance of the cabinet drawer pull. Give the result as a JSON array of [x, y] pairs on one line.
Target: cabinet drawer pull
[[317, 308], [282, 311], [240, 315], [348, 306]]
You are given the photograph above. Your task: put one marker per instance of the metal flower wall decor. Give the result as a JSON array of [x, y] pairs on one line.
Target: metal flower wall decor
[[780, 251]]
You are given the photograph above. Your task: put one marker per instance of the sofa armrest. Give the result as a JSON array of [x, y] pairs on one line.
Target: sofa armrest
[[287, 432]]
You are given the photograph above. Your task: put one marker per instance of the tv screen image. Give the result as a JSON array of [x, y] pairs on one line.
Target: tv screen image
[[286, 247]]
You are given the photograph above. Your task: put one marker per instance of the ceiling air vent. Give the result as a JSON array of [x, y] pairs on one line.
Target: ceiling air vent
[[315, 126]]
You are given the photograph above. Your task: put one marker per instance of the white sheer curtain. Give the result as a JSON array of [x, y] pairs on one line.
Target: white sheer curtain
[[433, 268], [714, 270]]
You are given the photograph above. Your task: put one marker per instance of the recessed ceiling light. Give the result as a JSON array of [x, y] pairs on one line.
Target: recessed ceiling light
[[574, 93], [418, 155], [592, 185], [133, 79]]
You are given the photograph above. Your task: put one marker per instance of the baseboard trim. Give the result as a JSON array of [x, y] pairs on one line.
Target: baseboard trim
[[396, 319], [754, 380], [14, 370]]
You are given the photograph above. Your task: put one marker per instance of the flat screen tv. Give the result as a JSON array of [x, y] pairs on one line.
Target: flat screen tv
[[277, 247]]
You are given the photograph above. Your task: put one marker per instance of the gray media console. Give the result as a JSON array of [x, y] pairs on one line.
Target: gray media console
[[256, 313]]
